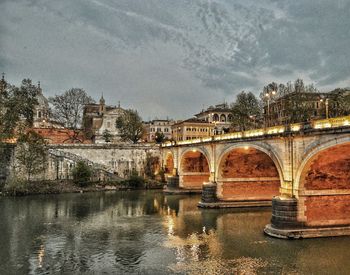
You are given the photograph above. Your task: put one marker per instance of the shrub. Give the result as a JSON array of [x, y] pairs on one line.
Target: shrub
[[81, 174], [135, 181], [15, 186]]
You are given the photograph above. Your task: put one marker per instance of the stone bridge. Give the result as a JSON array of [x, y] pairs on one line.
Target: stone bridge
[[303, 169]]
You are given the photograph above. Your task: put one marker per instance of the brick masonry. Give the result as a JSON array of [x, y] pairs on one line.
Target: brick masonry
[[249, 190], [194, 181], [327, 210]]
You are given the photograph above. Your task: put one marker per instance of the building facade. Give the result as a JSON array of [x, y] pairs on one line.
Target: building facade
[[281, 110], [158, 126], [219, 115], [191, 129], [99, 119]]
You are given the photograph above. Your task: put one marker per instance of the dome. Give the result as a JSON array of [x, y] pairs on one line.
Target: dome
[[43, 103]]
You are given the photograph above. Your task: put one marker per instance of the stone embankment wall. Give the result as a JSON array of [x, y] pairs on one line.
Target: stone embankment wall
[[116, 159], [110, 161]]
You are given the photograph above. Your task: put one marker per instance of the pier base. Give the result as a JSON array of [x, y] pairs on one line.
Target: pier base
[[312, 232], [234, 204], [284, 223], [172, 187], [210, 200]]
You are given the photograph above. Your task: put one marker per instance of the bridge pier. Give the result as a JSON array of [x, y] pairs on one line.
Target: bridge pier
[[285, 223]]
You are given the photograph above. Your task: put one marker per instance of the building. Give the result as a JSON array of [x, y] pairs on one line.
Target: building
[[219, 115], [41, 116], [101, 118], [158, 126], [61, 135], [278, 110], [191, 129]]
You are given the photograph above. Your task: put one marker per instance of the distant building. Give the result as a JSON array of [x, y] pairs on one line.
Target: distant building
[[160, 126], [276, 109], [61, 135], [100, 118], [219, 115], [42, 117], [191, 129]]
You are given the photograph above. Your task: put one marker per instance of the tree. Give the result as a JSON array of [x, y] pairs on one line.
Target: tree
[[107, 136], [295, 100], [159, 137], [339, 104], [17, 108], [31, 153], [81, 174], [246, 111], [130, 126], [151, 165], [68, 109]]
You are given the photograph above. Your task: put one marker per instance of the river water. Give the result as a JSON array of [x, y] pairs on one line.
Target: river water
[[146, 232]]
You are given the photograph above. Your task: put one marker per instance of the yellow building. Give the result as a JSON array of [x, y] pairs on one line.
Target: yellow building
[[191, 129]]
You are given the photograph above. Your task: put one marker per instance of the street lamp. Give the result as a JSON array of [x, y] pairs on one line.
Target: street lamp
[[253, 117], [268, 96], [327, 106]]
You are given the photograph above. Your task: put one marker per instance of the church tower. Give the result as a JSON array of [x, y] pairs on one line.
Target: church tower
[[102, 107]]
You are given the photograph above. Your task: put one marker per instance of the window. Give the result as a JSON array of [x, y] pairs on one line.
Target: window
[[108, 124], [159, 129], [166, 130]]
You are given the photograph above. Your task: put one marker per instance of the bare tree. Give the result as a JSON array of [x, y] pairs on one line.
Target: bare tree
[[68, 110], [246, 111], [130, 126]]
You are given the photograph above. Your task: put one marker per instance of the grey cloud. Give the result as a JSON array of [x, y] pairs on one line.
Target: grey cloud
[[167, 57]]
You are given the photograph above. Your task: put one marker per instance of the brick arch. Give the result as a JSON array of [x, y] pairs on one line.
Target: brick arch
[[263, 148], [248, 172], [311, 153], [194, 168], [324, 185]]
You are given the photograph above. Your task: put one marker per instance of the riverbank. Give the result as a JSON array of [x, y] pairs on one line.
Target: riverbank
[[68, 186]]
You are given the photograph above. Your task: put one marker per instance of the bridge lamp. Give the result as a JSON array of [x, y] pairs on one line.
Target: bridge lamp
[[268, 95], [246, 147], [194, 150]]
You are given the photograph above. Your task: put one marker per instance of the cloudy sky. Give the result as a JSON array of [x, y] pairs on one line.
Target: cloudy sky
[[172, 57]]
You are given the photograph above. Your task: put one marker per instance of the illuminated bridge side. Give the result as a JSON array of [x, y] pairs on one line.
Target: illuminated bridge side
[[302, 170]]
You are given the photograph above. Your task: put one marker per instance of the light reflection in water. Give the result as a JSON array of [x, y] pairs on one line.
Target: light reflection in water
[[149, 233]]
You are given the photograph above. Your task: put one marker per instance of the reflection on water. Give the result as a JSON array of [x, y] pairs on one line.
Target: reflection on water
[[149, 233]]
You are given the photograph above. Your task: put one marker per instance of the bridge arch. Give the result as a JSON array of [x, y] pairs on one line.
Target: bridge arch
[[248, 171], [194, 168], [308, 157], [323, 184], [263, 148]]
